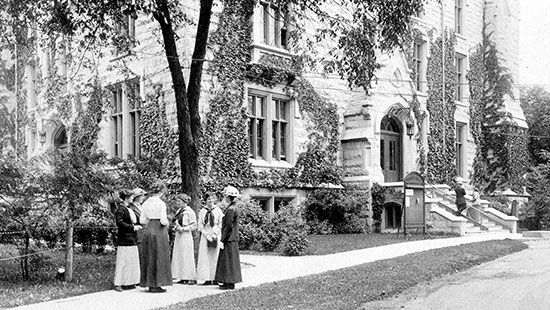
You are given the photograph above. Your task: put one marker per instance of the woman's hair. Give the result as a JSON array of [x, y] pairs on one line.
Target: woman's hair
[[183, 198], [157, 187], [124, 193]]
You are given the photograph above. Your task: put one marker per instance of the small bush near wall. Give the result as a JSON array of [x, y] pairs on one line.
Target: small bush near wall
[[336, 210], [286, 229]]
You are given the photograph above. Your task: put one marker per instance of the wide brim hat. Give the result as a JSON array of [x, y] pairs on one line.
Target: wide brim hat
[[136, 192], [231, 191]]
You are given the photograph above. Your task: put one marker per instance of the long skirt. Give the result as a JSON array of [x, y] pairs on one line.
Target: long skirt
[[127, 265], [229, 264], [155, 256], [208, 259], [183, 257]]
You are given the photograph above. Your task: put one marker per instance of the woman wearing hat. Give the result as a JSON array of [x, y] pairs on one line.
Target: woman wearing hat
[[228, 270], [155, 254], [127, 271], [210, 226], [138, 196], [183, 255]]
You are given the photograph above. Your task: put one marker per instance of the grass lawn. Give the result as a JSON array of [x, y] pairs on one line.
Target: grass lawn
[[92, 273], [330, 244], [352, 287]]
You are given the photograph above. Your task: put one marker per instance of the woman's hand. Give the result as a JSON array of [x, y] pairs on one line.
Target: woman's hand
[[138, 227]]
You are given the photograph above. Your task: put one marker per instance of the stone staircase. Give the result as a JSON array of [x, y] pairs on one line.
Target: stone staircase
[[478, 219]]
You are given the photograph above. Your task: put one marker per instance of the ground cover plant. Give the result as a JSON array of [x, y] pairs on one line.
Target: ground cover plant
[[349, 288], [92, 273]]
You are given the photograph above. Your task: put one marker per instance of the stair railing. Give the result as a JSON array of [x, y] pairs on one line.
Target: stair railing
[[478, 220]]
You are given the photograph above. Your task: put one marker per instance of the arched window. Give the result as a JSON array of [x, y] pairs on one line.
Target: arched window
[[389, 124]]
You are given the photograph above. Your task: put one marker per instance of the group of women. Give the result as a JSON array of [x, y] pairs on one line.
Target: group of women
[[143, 253]]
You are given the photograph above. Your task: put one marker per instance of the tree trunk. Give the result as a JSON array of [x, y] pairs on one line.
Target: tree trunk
[[195, 76], [69, 253], [26, 257], [187, 112]]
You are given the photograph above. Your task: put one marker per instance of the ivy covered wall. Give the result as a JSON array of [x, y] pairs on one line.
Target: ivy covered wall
[[501, 156], [225, 144], [441, 157]]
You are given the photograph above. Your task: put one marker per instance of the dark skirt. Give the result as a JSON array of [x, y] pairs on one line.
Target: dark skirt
[[155, 256], [228, 269]]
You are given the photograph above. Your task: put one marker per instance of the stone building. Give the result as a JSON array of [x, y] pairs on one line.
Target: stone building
[[377, 130]]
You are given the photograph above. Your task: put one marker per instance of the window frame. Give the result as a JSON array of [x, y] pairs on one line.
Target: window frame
[[419, 51], [460, 63], [276, 141], [459, 16], [125, 119]]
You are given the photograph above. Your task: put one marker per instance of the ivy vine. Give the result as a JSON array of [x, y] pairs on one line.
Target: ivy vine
[[225, 145], [441, 159], [501, 156]]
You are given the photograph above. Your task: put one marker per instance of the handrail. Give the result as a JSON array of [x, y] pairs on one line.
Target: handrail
[[469, 206]]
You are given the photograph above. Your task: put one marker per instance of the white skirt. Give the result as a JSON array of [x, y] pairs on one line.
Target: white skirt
[[127, 265], [183, 257]]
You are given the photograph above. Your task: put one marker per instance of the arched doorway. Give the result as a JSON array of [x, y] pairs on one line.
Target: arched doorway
[[390, 149], [60, 139]]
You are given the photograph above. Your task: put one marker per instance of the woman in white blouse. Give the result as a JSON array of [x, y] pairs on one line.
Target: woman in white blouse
[[155, 254], [183, 255], [210, 226]]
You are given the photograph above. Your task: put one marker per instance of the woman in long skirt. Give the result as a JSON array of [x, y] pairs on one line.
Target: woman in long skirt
[[210, 226], [228, 270], [155, 254], [127, 272], [183, 255]]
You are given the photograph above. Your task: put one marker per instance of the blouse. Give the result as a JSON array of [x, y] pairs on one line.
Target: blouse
[[153, 209]]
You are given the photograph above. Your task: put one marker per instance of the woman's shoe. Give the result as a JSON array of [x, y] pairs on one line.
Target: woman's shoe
[[156, 290], [191, 282], [118, 288], [207, 283], [182, 282]]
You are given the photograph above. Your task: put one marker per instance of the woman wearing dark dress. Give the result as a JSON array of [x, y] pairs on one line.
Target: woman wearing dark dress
[[228, 269], [155, 247], [127, 271]]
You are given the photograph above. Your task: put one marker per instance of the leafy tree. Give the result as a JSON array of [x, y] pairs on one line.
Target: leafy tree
[[372, 24], [535, 102], [22, 206]]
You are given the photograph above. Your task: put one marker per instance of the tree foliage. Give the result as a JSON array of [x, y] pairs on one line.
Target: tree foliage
[[535, 103]]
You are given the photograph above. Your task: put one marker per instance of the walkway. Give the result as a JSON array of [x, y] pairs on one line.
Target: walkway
[[256, 270]]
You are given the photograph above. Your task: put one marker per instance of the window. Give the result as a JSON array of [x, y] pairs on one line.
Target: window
[[279, 129], [458, 16], [273, 23], [459, 142], [126, 117], [269, 116], [125, 26], [134, 103], [418, 65], [117, 122], [256, 125], [459, 70], [272, 204]]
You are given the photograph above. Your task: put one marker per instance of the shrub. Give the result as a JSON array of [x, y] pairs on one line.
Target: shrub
[[252, 219], [320, 228], [336, 207], [295, 244], [352, 225]]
